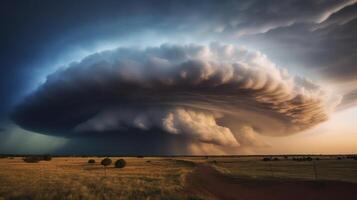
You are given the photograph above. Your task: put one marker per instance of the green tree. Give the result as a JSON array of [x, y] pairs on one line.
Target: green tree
[[120, 163], [106, 162]]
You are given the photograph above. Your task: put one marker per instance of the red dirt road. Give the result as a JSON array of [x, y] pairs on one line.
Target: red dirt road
[[208, 183]]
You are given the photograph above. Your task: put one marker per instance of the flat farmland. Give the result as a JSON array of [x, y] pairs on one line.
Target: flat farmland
[[179, 178], [322, 169], [74, 178]]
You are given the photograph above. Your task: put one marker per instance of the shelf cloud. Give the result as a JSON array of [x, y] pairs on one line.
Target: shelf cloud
[[206, 98]]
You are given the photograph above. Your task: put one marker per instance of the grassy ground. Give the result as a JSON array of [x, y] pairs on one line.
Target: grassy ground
[[148, 178], [326, 168], [73, 178]]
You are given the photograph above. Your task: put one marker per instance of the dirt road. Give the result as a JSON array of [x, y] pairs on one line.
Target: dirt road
[[207, 183]]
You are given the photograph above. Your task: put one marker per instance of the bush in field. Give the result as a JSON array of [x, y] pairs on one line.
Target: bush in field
[[91, 161], [47, 158], [35, 159], [106, 161], [120, 163], [308, 158], [352, 157], [267, 159], [32, 159]]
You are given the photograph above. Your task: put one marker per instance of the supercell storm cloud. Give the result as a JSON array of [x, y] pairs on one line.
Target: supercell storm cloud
[[223, 96]]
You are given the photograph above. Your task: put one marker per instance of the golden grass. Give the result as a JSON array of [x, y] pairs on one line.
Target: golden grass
[[146, 178], [73, 178], [253, 167]]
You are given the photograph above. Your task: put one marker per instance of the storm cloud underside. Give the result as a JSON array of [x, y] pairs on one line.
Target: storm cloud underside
[[198, 98]]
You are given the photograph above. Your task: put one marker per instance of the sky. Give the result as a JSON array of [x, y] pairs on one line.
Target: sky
[[178, 77]]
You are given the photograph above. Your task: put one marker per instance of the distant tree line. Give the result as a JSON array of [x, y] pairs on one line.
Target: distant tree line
[[306, 158], [36, 159]]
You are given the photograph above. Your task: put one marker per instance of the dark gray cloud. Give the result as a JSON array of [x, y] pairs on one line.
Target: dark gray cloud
[[133, 142], [218, 95], [316, 37], [328, 47], [36, 33], [253, 17], [325, 49]]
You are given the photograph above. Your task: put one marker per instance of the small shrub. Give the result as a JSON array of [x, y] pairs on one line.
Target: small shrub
[[106, 161], [47, 158], [308, 158], [31, 159], [276, 159], [266, 159], [91, 161], [352, 157], [120, 163], [35, 159]]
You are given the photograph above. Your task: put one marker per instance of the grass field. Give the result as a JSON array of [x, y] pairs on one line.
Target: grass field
[[149, 177], [326, 169], [73, 178]]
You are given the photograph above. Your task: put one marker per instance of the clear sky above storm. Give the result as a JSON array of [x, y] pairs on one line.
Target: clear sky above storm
[[178, 77]]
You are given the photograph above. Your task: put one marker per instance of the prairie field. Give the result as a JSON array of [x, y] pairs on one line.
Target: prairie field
[[74, 178], [326, 169], [168, 177]]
